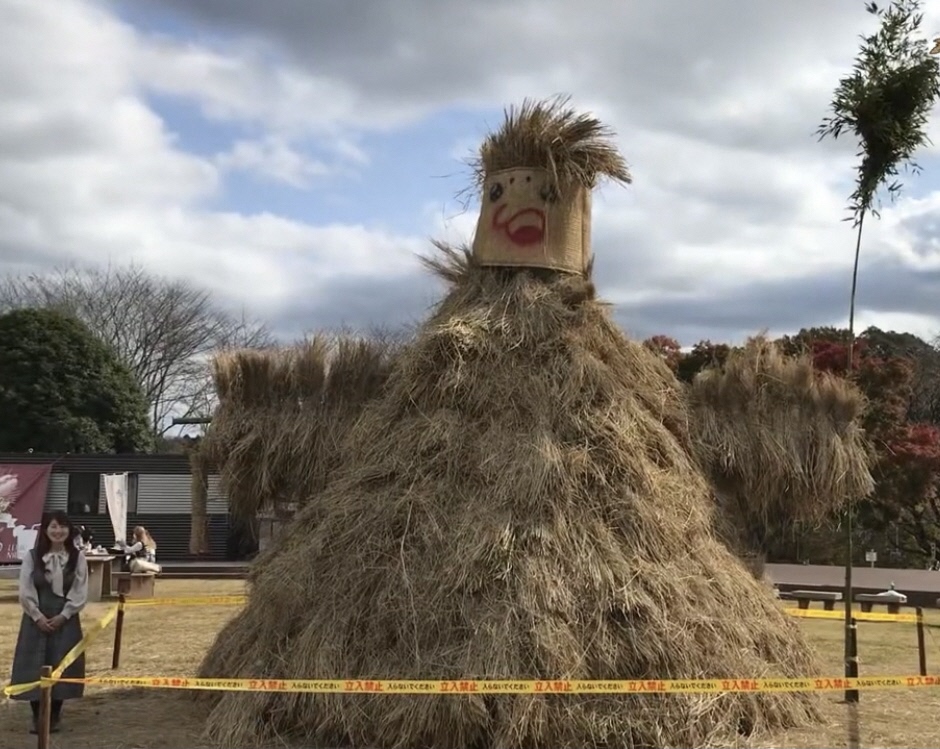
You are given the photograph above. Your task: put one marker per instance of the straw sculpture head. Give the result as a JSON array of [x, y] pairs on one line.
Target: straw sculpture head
[[521, 501], [780, 441], [535, 176]]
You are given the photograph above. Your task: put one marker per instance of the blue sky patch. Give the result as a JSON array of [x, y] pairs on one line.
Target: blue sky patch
[[406, 170]]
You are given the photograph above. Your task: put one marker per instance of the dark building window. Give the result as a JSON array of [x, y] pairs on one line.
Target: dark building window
[[84, 493], [132, 494]]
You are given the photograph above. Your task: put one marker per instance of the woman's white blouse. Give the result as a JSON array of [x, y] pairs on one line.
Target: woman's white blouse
[[55, 569]]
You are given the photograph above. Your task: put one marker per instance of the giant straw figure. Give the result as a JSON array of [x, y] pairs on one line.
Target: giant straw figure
[[522, 501]]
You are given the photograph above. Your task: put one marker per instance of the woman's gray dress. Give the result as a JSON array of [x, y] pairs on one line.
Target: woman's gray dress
[[35, 648]]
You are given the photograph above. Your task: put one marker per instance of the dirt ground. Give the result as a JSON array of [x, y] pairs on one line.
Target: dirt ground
[[170, 641]]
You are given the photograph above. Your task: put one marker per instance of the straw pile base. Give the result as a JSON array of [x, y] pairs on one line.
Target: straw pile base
[[522, 502]]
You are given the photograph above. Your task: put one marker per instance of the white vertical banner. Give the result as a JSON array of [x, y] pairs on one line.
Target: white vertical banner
[[115, 491]]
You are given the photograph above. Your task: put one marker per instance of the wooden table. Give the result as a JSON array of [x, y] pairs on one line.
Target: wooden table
[[99, 576]]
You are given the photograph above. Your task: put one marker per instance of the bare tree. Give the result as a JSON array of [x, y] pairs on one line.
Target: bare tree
[[164, 330]]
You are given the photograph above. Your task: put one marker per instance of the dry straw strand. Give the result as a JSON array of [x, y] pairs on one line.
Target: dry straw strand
[[549, 134]]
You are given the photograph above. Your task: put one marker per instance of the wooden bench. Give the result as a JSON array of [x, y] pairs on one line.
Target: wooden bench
[[893, 602], [134, 584], [803, 598]]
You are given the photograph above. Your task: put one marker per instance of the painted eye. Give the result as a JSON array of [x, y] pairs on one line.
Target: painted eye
[[548, 193], [496, 191]]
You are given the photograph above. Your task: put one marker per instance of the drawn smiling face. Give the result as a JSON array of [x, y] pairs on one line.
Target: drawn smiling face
[[524, 221], [520, 202]]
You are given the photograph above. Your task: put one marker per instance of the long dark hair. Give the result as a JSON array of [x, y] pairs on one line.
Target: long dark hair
[[43, 544]]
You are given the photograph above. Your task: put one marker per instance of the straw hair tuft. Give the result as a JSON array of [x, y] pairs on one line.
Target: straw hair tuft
[[576, 148]]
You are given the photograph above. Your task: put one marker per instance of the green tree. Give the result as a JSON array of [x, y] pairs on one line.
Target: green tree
[[163, 330], [703, 354], [63, 390], [885, 102]]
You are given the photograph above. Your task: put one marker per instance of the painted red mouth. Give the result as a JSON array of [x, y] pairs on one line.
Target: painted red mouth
[[524, 228]]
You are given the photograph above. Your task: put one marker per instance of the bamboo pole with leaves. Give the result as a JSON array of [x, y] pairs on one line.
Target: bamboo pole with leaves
[[886, 103]]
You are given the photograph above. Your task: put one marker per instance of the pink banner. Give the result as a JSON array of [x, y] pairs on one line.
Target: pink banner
[[22, 497]]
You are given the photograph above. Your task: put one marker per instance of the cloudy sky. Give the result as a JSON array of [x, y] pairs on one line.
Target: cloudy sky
[[296, 156]]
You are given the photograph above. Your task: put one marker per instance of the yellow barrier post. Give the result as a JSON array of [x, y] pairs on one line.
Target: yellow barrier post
[[118, 631], [921, 646], [43, 727]]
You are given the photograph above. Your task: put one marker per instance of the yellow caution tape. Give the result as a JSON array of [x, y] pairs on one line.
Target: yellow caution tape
[[12, 690], [862, 616], [96, 629], [555, 686], [202, 601]]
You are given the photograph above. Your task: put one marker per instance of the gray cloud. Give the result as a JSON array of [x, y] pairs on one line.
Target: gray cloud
[[663, 66], [821, 299], [732, 315], [359, 303], [17, 256]]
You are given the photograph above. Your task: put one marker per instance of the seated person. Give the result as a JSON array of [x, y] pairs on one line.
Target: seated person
[[142, 552], [83, 541]]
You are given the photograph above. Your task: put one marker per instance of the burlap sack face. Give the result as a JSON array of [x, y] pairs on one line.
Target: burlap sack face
[[524, 221]]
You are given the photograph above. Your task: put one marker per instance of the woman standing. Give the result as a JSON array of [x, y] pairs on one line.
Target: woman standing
[[53, 589]]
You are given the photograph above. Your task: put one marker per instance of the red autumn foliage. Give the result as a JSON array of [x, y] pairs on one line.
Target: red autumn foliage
[[668, 348], [921, 444], [833, 356], [906, 464], [906, 460]]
